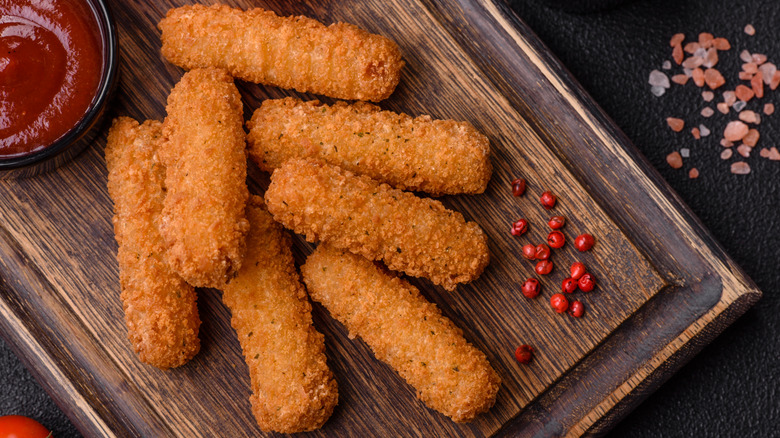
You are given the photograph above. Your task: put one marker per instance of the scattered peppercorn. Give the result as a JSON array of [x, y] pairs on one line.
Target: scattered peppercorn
[[519, 228], [524, 353], [529, 251], [556, 239], [584, 242], [518, 186], [587, 282], [577, 270], [556, 222], [569, 285], [576, 309], [531, 288], [548, 200], [559, 303], [542, 252], [544, 267]]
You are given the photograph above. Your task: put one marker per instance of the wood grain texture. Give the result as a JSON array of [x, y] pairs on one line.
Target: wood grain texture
[[467, 60]]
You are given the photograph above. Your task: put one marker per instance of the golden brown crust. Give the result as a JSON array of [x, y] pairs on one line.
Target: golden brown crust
[[160, 308], [434, 156], [339, 60], [414, 235], [204, 150], [293, 390], [404, 330]]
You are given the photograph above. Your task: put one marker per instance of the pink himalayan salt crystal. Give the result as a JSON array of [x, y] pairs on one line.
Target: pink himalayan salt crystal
[[744, 150], [759, 58], [710, 58], [723, 107], [750, 67], [751, 138], [708, 112], [725, 143], [749, 116], [705, 131], [745, 76], [745, 56], [677, 39], [740, 168], [693, 173], [729, 97], [693, 62], [675, 160], [735, 131], [768, 71], [775, 80], [774, 154], [750, 30], [769, 109], [726, 154], [680, 79], [707, 96]]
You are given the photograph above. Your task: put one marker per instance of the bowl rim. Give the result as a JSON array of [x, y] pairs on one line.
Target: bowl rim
[[108, 35]]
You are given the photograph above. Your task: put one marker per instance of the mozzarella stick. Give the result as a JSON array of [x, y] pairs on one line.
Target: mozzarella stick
[[204, 150], [422, 154], [340, 60], [403, 330], [293, 390], [160, 308], [414, 235]]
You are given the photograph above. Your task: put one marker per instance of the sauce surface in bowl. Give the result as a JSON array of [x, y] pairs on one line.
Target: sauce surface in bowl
[[50, 66]]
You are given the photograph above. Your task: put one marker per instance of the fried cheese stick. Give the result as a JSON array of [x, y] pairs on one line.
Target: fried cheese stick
[[403, 330], [160, 307], [340, 60], [204, 151], [293, 390], [434, 156], [414, 235]]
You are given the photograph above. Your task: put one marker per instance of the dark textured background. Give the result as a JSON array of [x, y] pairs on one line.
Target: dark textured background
[[732, 388]]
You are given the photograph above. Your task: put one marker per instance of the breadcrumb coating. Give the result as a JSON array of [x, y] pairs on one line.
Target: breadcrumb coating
[[293, 390], [340, 60], [204, 150], [414, 235], [160, 307], [422, 154], [405, 331]]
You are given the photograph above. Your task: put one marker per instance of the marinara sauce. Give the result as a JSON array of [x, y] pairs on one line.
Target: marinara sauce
[[50, 67]]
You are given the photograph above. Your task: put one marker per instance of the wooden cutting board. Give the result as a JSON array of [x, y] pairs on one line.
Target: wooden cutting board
[[665, 287]]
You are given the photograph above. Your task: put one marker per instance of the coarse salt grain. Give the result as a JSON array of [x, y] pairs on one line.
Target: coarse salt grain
[[721, 44], [745, 76], [696, 134], [693, 62], [723, 107], [757, 84], [773, 154], [759, 58], [708, 112], [735, 131], [698, 77], [749, 116], [744, 93], [751, 138], [691, 47], [677, 54], [750, 67], [739, 105], [659, 79], [680, 79], [726, 143], [657, 91], [693, 173], [713, 78], [685, 152], [745, 56], [705, 131], [769, 109], [710, 58], [677, 39], [726, 154], [729, 97], [775, 80], [740, 168], [707, 96], [767, 71], [666, 65], [750, 30], [676, 124], [744, 150], [674, 160]]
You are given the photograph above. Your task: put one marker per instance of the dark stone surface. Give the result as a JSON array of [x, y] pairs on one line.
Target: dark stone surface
[[731, 388]]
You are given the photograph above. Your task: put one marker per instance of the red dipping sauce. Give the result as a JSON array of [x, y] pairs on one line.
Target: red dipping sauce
[[50, 67]]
